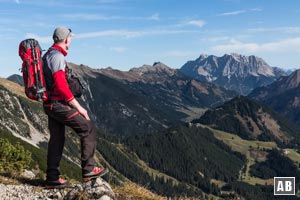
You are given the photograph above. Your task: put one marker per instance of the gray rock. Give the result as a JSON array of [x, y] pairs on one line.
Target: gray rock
[[28, 174], [96, 189], [105, 197]]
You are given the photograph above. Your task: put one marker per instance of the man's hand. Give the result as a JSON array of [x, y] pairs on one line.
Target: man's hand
[[80, 109], [83, 112]]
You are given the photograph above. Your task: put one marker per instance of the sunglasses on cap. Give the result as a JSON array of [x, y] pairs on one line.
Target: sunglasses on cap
[[70, 33]]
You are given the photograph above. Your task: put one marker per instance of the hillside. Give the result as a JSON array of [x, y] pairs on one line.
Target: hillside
[[193, 156], [232, 71], [264, 161], [282, 96], [16, 78], [109, 153], [22, 117], [250, 120], [145, 99], [176, 161], [13, 86]]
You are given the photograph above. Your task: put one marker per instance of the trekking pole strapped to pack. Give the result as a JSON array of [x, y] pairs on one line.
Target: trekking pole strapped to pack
[[33, 76]]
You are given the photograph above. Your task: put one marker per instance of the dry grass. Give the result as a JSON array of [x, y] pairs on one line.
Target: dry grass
[[239, 144], [131, 191], [13, 87], [293, 155], [254, 180], [4, 179]]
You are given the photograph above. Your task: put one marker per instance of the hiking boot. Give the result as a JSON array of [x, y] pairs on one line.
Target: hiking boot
[[96, 172], [58, 184]]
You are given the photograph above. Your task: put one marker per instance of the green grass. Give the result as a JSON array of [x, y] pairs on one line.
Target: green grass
[[238, 144], [244, 146]]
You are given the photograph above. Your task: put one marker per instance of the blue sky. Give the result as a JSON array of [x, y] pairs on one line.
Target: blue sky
[[129, 33]]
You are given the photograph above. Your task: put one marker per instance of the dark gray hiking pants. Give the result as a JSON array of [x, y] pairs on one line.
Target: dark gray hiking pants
[[60, 115]]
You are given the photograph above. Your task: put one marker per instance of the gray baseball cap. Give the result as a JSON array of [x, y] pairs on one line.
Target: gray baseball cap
[[61, 33]]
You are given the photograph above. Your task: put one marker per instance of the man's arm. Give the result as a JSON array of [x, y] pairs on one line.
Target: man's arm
[[57, 67], [74, 103]]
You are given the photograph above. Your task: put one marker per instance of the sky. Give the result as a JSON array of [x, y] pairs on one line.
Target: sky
[[124, 34]]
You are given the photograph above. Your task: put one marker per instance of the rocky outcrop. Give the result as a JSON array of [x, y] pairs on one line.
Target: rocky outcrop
[[96, 189]]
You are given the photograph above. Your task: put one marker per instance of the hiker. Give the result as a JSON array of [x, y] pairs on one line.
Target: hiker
[[64, 110]]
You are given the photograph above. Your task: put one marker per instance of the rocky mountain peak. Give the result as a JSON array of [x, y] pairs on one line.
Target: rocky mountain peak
[[232, 71], [16, 78], [82, 69], [293, 81], [285, 83], [157, 67], [248, 65], [235, 55], [146, 73], [203, 56]]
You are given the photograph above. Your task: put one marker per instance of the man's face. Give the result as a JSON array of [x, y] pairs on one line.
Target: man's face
[[68, 42]]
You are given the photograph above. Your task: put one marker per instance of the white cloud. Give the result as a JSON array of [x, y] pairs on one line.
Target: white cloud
[[92, 17], [85, 16], [287, 45], [45, 40], [17, 1], [129, 34], [256, 9], [107, 1], [232, 13], [225, 39], [118, 49], [237, 12], [166, 32], [125, 34], [199, 23], [180, 53], [154, 17], [109, 33], [216, 39], [292, 29]]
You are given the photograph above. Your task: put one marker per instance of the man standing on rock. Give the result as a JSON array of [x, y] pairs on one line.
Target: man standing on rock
[[64, 110]]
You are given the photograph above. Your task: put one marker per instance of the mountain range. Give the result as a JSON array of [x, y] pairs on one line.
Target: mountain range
[[145, 135], [250, 120], [283, 96], [233, 71], [147, 98]]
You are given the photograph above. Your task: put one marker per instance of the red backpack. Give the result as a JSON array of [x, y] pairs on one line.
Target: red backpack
[[32, 68]]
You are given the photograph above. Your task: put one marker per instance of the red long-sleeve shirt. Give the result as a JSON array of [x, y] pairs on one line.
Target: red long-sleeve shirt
[[57, 64]]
